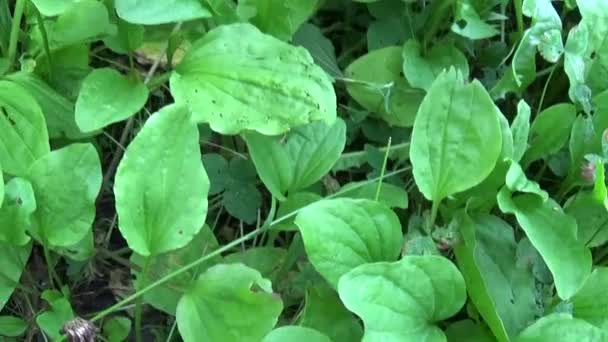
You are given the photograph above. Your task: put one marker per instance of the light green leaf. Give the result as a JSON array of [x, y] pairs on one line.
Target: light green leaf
[[161, 185], [456, 139], [421, 70], [560, 327], [1, 187], [106, 97], [165, 297], [503, 294], [553, 234], [549, 132], [11, 326], [304, 156], [51, 321], [401, 301], [236, 78], [84, 21], [521, 129], [24, 136], [325, 312], [516, 180], [467, 331], [208, 311], [375, 82], [12, 262], [57, 109], [66, 183], [294, 333], [16, 212], [278, 18], [154, 12], [390, 195], [590, 303], [577, 61], [341, 234], [320, 48], [51, 8], [469, 24], [116, 329], [595, 16]]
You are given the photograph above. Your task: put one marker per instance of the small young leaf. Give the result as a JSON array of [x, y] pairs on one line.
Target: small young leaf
[[209, 310], [401, 301], [12, 263], [15, 214], [521, 129], [51, 321], [560, 327], [278, 18], [469, 24], [341, 234], [66, 183], [376, 84], [456, 139], [154, 12], [117, 329], [289, 164], [590, 302], [421, 70], [107, 97], [11, 326], [549, 132], [166, 296], [325, 312], [24, 137], [237, 78], [161, 185], [294, 333]]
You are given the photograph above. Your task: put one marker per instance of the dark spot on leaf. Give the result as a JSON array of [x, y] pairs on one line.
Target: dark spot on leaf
[[213, 101], [19, 201], [180, 232], [461, 23]]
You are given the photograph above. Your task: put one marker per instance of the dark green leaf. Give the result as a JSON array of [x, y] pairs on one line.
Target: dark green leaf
[[320, 48], [278, 18], [116, 329], [12, 326]]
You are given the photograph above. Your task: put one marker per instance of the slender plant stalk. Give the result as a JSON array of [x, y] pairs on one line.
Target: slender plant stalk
[[139, 301], [519, 17], [386, 153], [14, 36], [45, 42]]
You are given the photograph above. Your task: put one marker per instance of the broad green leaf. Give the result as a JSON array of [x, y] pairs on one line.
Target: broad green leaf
[[503, 294], [209, 310], [51, 8], [294, 333], [521, 130], [590, 210], [549, 132], [116, 329], [237, 78], [390, 195], [161, 185], [66, 183], [594, 15], [265, 260], [456, 139], [552, 232], [24, 136], [12, 262], [60, 312], [278, 18], [467, 331], [320, 48], [325, 312], [154, 12], [590, 303], [84, 21], [341, 234], [304, 156], [422, 69], [11, 326], [577, 61], [295, 201], [166, 296], [560, 327], [57, 109], [107, 97], [469, 24], [375, 82], [401, 301], [15, 214]]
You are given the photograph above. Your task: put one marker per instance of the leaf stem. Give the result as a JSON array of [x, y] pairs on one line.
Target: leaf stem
[[45, 41], [14, 36], [139, 302], [542, 96], [519, 17], [434, 209], [384, 162], [51, 270]]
